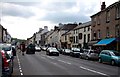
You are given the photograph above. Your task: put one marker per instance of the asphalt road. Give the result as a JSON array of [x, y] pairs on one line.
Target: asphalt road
[[42, 64]]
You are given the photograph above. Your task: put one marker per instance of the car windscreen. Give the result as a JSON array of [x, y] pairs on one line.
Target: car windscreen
[[117, 53], [7, 48], [76, 50]]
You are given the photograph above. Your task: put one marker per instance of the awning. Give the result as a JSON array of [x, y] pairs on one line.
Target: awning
[[90, 43], [105, 41]]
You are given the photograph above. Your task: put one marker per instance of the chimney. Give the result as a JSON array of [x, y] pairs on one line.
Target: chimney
[[55, 27], [40, 29], [103, 6]]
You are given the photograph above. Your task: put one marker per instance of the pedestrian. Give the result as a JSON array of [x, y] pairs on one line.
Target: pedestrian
[[23, 48]]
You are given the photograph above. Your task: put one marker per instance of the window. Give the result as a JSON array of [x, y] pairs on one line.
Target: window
[[107, 32], [84, 38], [88, 37], [118, 11], [76, 39], [94, 22], [74, 31], [99, 34], [65, 37], [117, 30], [98, 21], [108, 16], [94, 35], [88, 28], [84, 29], [80, 35]]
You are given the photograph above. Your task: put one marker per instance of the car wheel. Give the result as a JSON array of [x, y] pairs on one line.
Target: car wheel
[[112, 62], [87, 58], [100, 60], [80, 57], [49, 54]]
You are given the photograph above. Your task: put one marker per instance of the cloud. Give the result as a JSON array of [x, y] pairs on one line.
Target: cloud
[[10, 9], [63, 17], [22, 18], [79, 12]]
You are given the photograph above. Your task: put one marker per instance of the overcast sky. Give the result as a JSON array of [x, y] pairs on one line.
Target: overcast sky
[[22, 18]]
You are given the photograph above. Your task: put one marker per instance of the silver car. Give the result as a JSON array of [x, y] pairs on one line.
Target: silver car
[[90, 54], [52, 51]]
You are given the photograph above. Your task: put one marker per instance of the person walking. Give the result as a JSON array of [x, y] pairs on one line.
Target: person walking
[[23, 48]]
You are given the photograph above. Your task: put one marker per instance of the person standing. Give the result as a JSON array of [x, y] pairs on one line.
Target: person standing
[[23, 48]]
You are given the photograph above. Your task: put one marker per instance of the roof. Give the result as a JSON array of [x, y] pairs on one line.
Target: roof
[[68, 26], [112, 5], [105, 41], [66, 33], [83, 25]]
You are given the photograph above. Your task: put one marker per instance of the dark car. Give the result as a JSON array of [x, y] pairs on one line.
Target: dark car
[[75, 52], [7, 64], [60, 50], [30, 49], [66, 51], [90, 54], [52, 51], [110, 56]]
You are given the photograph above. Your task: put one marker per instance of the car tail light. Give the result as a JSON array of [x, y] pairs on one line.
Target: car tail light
[[5, 60]]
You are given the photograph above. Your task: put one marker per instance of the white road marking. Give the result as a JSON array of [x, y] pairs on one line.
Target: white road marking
[[93, 71], [43, 57], [50, 57], [21, 73], [53, 63], [64, 62], [20, 69]]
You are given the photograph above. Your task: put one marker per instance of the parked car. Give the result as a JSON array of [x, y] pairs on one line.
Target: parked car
[[75, 52], [52, 51], [110, 56], [37, 48], [66, 51], [8, 49], [89, 54], [30, 49], [60, 50], [44, 48], [7, 64]]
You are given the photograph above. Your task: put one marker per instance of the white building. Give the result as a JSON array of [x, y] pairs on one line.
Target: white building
[[39, 33], [82, 35]]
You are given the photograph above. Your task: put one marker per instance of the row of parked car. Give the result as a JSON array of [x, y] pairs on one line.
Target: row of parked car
[[7, 52], [107, 56]]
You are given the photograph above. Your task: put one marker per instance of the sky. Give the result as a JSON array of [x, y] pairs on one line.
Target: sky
[[23, 18]]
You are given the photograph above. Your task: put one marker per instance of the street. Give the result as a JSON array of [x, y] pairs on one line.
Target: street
[[42, 64]]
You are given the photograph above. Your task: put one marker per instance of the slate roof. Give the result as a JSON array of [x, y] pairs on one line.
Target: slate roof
[[83, 25]]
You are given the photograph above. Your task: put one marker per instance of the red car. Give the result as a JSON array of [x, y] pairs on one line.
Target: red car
[[7, 64]]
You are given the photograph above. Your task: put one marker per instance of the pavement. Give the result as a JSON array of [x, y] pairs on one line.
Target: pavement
[[40, 64]]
